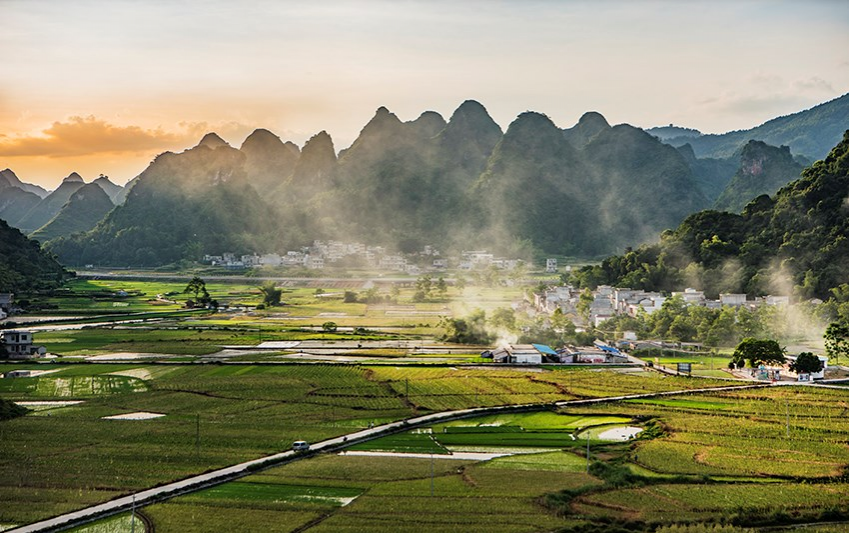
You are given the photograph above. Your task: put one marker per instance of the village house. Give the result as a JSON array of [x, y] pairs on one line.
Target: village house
[[273, 260], [519, 354], [393, 262], [6, 301], [735, 300], [19, 345]]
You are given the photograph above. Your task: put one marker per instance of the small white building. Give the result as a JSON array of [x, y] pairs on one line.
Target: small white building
[[693, 297], [270, 260], [551, 265], [525, 354], [732, 299], [314, 262], [777, 300], [18, 344]]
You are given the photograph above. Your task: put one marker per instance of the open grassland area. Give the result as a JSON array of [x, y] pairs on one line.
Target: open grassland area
[[301, 307], [750, 458], [98, 296], [67, 455], [508, 433], [718, 457], [355, 493], [648, 484], [216, 415], [446, 388], [705, 365]]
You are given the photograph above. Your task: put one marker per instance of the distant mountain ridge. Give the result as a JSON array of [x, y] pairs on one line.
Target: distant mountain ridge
[[83, 210], [587, 190], [8, 178], [811, 133], [25, 210]]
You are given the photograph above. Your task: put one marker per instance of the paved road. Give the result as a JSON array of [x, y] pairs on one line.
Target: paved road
[[230, 473]]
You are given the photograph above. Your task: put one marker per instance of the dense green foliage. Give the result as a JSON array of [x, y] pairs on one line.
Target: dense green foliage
[[725, 326], [469, 330], [806, 363], [837, 339], [10, 410], [24, 267], [758, 352], [763, 169], [798, 239]]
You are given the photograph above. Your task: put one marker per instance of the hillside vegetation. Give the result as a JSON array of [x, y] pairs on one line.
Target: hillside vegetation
[[456, 184], [23, 265], [799, 239]]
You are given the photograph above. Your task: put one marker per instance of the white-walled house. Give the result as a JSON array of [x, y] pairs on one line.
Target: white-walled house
[[732, 299], [19, 344]]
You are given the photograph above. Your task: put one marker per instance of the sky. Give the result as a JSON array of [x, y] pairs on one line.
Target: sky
[[103, 86]]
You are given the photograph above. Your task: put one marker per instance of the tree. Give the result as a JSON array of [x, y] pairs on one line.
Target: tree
[[585, 301], [197, 287], [561, 323], [806, 363], [503, 318], [460, 283], [441, 288], [837, 341], [469, 330], [329, 327], [350, 297], [371, 296], [424, 285], [270, 294], [758, 351]]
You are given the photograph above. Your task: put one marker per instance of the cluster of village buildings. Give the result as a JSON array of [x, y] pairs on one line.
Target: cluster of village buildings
[[612, 301], [536, 354], [323, 254]]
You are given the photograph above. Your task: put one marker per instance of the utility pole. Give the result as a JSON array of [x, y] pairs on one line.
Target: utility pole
[[588, 450], [133, 516], [197, 435]]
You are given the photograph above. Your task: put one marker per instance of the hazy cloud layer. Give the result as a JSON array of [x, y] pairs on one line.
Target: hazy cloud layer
[[773, 96], [86, 136], [82, 136]]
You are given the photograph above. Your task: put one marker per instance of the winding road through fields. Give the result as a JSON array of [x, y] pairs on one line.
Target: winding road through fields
[[223, 475]]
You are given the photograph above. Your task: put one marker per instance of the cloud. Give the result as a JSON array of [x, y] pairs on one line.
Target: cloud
[[770, 95], [814, 84], [80, 136]]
